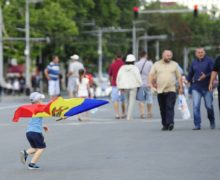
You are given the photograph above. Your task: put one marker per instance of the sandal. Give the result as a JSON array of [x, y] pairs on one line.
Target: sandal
[[149, 115], [123, 116], [142, 116]]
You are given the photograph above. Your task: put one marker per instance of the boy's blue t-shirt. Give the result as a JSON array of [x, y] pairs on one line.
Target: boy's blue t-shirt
[[35, 125]]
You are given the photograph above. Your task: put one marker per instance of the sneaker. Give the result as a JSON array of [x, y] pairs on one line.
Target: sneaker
[[33, 166], [170, 127], [196, 128], [164, 128], [23, 156], [212, 126]]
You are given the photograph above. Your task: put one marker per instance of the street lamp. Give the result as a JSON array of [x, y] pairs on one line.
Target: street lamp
[[1, 48], [27, 47], [1, 43]]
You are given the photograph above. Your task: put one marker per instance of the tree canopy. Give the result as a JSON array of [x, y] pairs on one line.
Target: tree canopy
[[67, 23]]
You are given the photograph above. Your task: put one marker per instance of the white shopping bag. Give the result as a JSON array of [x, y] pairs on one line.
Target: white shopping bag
[[183, 107]]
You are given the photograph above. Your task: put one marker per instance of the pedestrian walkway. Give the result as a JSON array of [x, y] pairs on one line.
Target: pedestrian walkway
[[115, 150]]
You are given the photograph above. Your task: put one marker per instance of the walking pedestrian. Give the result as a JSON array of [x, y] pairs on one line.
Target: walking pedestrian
[[73, 75], [215, 73], [128, 80], [83, 91], [144, 94], [163, 77], [116, 96], [52, 73], [199, 76]]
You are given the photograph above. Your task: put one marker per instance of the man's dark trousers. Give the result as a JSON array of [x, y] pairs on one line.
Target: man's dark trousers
[[167, 103]]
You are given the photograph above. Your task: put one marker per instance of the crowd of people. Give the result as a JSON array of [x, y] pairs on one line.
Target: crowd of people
[[13, 85], [132, 81], [137, 81]]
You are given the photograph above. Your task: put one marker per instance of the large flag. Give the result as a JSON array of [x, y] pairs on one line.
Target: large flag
[[59, 107]]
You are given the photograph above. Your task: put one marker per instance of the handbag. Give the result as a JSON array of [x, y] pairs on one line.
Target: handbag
[[183, 107], [140, 90]]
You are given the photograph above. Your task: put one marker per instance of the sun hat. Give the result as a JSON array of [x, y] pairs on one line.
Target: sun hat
[[74, 57], [130, 58], [36, 96]]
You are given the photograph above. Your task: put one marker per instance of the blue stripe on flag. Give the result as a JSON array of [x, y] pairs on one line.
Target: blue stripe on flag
[[85, 106]]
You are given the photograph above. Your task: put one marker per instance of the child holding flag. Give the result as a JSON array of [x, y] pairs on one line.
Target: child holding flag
[[34, 135]]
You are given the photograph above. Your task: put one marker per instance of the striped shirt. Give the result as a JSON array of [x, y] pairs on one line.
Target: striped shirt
[[53, 71]]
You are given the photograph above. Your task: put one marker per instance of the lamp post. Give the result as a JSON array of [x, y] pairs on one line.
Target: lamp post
[[1, 47], [150, 38], [134, 36], [27, 47], [27, 40], [100, 33], [100, 53]]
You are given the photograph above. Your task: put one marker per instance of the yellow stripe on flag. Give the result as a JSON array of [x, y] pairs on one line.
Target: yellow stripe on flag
[[60, 106]]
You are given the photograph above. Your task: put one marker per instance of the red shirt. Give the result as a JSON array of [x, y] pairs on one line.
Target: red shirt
[[90, 78], [113, 70]]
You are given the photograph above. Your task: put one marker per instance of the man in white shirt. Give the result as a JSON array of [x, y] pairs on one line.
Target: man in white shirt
[[73, 74]]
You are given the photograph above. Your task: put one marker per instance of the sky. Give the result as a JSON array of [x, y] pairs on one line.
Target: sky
[[191, 3]]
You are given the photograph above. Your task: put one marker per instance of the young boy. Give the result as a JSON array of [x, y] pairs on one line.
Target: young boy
[[34, 135]]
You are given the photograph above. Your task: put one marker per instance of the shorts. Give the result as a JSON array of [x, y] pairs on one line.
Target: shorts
[[145, 95], [54, 87], [36, 140], [116, 95], [71, 86]]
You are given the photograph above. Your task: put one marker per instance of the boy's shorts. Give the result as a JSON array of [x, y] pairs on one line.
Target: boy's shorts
[[36, 140], [116, 95], [145, 95], [54, 87]]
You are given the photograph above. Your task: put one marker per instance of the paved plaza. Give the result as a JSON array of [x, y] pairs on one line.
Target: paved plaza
[[108, 149]]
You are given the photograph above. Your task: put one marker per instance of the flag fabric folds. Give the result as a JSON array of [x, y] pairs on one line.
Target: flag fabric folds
[[57, 108]]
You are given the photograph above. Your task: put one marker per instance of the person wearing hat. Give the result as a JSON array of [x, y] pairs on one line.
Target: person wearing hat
[[73, 74], [34, 134], [128, 80]]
